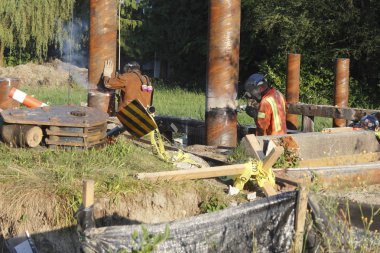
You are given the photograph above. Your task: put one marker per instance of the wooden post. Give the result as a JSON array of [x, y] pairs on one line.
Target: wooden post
[[88, 193], [307, 123], [301, 210]]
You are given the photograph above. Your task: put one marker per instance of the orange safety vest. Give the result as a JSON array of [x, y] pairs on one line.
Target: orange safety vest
[[271, 118]]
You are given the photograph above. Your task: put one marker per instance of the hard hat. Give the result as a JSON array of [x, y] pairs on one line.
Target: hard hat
[[256, 85], [369, 122]]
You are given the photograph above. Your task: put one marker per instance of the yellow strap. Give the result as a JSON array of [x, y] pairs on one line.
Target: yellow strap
[[254, 171], [159, 149]]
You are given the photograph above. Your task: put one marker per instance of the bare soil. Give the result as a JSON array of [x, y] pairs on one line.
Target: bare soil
[[52, 73]]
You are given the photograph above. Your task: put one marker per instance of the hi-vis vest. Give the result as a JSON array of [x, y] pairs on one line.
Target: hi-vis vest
[[271, 116]]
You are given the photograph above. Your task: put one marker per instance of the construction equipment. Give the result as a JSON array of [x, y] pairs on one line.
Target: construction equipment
[[55, 126]]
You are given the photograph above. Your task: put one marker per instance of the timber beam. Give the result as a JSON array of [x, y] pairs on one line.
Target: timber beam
[[329, 111]]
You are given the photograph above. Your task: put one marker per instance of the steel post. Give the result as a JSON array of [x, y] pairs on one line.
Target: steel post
[[102, 41], [342, 76], [293, 88], [222, 72]]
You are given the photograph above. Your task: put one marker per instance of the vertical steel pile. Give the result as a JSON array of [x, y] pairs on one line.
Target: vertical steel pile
[[102, 45], [342, 76], [222, 72], [293, 88]]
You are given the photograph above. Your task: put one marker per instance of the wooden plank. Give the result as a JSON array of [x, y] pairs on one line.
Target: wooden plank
[[211, 172], [88, 193], [268, 162], [252, 147], [307, 123], [341, 160], [329, 111], [178, 175], [272, 157], [301, 210], [337, 129]]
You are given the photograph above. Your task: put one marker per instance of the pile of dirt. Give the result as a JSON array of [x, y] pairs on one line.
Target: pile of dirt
[[51, 73]]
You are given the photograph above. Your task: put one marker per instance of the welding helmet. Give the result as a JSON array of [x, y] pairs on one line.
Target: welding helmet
[[369, 122], [256, 86], [130, 66]]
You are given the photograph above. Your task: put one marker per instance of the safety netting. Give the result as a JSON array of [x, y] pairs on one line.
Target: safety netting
[[265, 225]]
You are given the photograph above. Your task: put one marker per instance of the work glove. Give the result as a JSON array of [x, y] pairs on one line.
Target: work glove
[[108, 68], [251, 111], [252, 108]]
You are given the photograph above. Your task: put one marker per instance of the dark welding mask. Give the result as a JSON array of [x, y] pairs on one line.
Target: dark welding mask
[[131, 66], [256, 86]]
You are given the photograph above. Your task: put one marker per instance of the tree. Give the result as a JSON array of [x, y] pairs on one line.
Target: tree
[[176, 33], [32, 25]]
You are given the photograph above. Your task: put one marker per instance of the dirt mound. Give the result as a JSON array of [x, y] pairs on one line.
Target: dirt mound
[[52, 73]]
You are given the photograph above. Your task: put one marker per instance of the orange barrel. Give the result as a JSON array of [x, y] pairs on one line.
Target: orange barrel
[[5, 86], [25, 99], [99, 100]]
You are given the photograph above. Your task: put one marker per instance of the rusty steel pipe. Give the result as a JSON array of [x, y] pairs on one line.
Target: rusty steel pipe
[[6, 84], [293, 88], [102, 41], [342, 78], [222, 72]]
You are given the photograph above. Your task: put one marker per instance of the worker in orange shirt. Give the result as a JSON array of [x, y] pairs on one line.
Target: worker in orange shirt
[[133, 84], [266, 105]]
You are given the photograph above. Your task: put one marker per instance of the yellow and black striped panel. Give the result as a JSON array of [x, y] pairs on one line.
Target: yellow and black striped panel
[[136, 119]]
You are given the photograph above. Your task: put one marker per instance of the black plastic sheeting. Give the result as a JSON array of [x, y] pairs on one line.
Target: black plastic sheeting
[[265, 225]]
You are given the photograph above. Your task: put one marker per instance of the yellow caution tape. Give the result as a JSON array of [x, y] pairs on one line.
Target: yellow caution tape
[[254, 171], [159, 149]]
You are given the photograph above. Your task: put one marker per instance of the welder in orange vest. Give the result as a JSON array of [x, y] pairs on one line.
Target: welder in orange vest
[[266, 105], [132, 83]]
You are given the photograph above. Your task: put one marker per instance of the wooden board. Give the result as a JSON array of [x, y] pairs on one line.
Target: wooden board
[[337, 129], [252, 147], [219, 171], [329, 111], [341, 160]]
